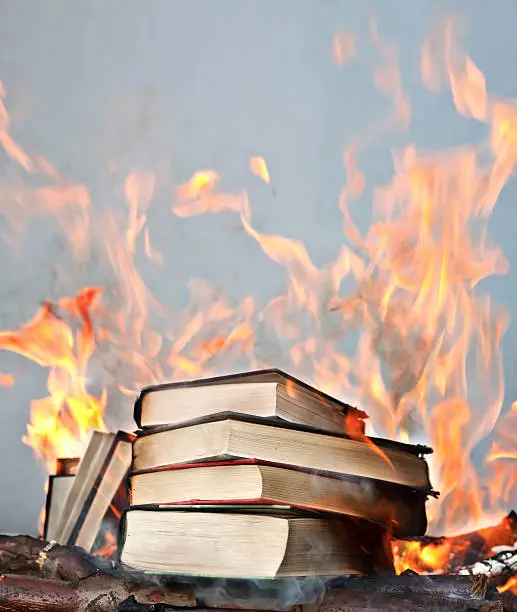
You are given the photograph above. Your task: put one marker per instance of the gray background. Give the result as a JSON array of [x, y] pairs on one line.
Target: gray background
[[178, 85]]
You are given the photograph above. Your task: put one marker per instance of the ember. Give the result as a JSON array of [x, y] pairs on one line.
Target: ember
[[415, 301], [109, 547], [509, 585], [424, 558]]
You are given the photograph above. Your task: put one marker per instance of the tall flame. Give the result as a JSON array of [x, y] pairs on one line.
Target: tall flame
[[421, 319], [60, 423]]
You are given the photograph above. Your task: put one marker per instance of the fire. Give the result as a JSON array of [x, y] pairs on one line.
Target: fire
[[509, 586], [109, 546], [405, 293], [60, 423], [259, 168], [422, 558], [199, 195]]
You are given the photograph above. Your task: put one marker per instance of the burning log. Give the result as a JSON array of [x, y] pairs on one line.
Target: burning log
[[452, 554], [107, 594], [411, 591], [356, 600], [352, 600], [501, 570], [503, 564], [34, 557], [41, 577], [411, 583], [284, 593]]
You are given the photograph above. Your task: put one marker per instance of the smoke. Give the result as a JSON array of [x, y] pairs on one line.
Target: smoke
[[260, 594]]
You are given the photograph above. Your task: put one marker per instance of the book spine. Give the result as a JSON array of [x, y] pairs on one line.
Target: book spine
[[47, 505], [121, 534], [137, 409]]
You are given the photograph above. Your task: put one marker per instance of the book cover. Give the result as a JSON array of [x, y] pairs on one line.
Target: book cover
[[228, 378]]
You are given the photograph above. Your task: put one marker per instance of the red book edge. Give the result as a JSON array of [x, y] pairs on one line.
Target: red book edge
[[233, 502], [204, 464]]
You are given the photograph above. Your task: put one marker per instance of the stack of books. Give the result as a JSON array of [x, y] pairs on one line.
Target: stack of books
[[259, 475], [256, 475]]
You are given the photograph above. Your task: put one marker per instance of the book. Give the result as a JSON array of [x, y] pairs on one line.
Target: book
[[59, 485], [231, 436], [226, 544], [266, 393], [248, 482], [100, 472]]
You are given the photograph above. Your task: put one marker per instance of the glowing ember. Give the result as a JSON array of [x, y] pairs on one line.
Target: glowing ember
[[414, 273], [422, 558], [509, 586], [109, 547]]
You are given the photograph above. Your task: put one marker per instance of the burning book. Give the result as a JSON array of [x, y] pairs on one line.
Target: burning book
[[266, 393], [206, 493], [98, 478], [245, 481], [248, 542]]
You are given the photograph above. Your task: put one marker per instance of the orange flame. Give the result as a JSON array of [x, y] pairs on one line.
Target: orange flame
[[198, 195], [109, 546], [422, 558], [60, 423], [509, 586], [258, 168]]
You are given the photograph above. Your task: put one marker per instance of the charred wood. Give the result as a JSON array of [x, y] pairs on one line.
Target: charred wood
[[19, 594], [465, 587], [43, 577], [345, 600], [96, 593], [469, 548], [502, 564], [34, 557], [105, 593], [354, 601]]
